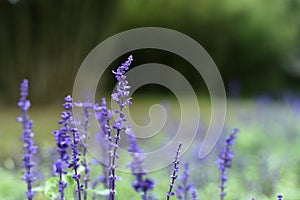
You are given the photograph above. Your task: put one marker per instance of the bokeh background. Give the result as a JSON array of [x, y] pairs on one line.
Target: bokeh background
[[255, 44]]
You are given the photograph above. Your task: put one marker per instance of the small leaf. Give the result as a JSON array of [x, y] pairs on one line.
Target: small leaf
[[51, 188]]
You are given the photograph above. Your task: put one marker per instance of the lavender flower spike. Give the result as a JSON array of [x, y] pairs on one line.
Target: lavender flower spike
[[29, 148], [104, 115], [224, 160], [174, 174], [87, 106], [280, 197], [63, 141], [75, 160], [121, 97]]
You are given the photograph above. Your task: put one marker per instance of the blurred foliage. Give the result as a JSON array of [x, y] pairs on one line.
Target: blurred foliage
[[266, 160], [254, 43]]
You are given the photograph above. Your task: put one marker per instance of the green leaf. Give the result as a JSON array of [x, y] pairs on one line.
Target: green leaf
[[51, 188], [70, 191]]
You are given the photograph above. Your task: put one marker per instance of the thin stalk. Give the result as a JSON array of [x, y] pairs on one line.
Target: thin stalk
[[113, 161], [174, 174], [78, 185]]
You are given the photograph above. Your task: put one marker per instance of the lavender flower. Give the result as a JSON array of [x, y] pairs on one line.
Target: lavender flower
[[121, 97], [29, 149], [122, 88], [104, 115], [63, 141], [75, 160], [174, 174], [280, 197], [185, 188], [87, 108], [141, 184], [224, 161]]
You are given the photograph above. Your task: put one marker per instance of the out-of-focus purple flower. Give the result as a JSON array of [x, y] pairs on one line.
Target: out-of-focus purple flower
[[224, 160], [63, 141], [280, 197], [142, 183], [184, 189], [174, 174], [104, 115], [87, 106], [121, 97], [29, 149], [194, 194]]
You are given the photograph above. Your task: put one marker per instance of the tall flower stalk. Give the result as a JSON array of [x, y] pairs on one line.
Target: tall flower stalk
[[65, 137], [63, 140], [75, 160], [174, 174], [104, 115], [29, 149], [224, 161], [85, 134], [122, 99]]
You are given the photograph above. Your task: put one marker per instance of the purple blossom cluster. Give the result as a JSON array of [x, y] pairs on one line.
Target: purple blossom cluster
[[75, 160], [224, 160], [29, 149], [65, 137], [122, 90], [63, 140]]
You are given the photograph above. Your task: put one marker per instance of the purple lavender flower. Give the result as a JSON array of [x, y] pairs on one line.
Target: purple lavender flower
[[104, 115], [122, 88], [142, 183], [75, 160], [121, 97], [185, 188], [29, 149], [224, 160], [64, 141], [280, 197], [87, 106], [174, 174]]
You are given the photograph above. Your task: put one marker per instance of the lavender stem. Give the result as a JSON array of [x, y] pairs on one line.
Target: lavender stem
[[174, 174]]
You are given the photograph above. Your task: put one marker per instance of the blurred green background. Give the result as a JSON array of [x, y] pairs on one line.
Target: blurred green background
[[255, 44]]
